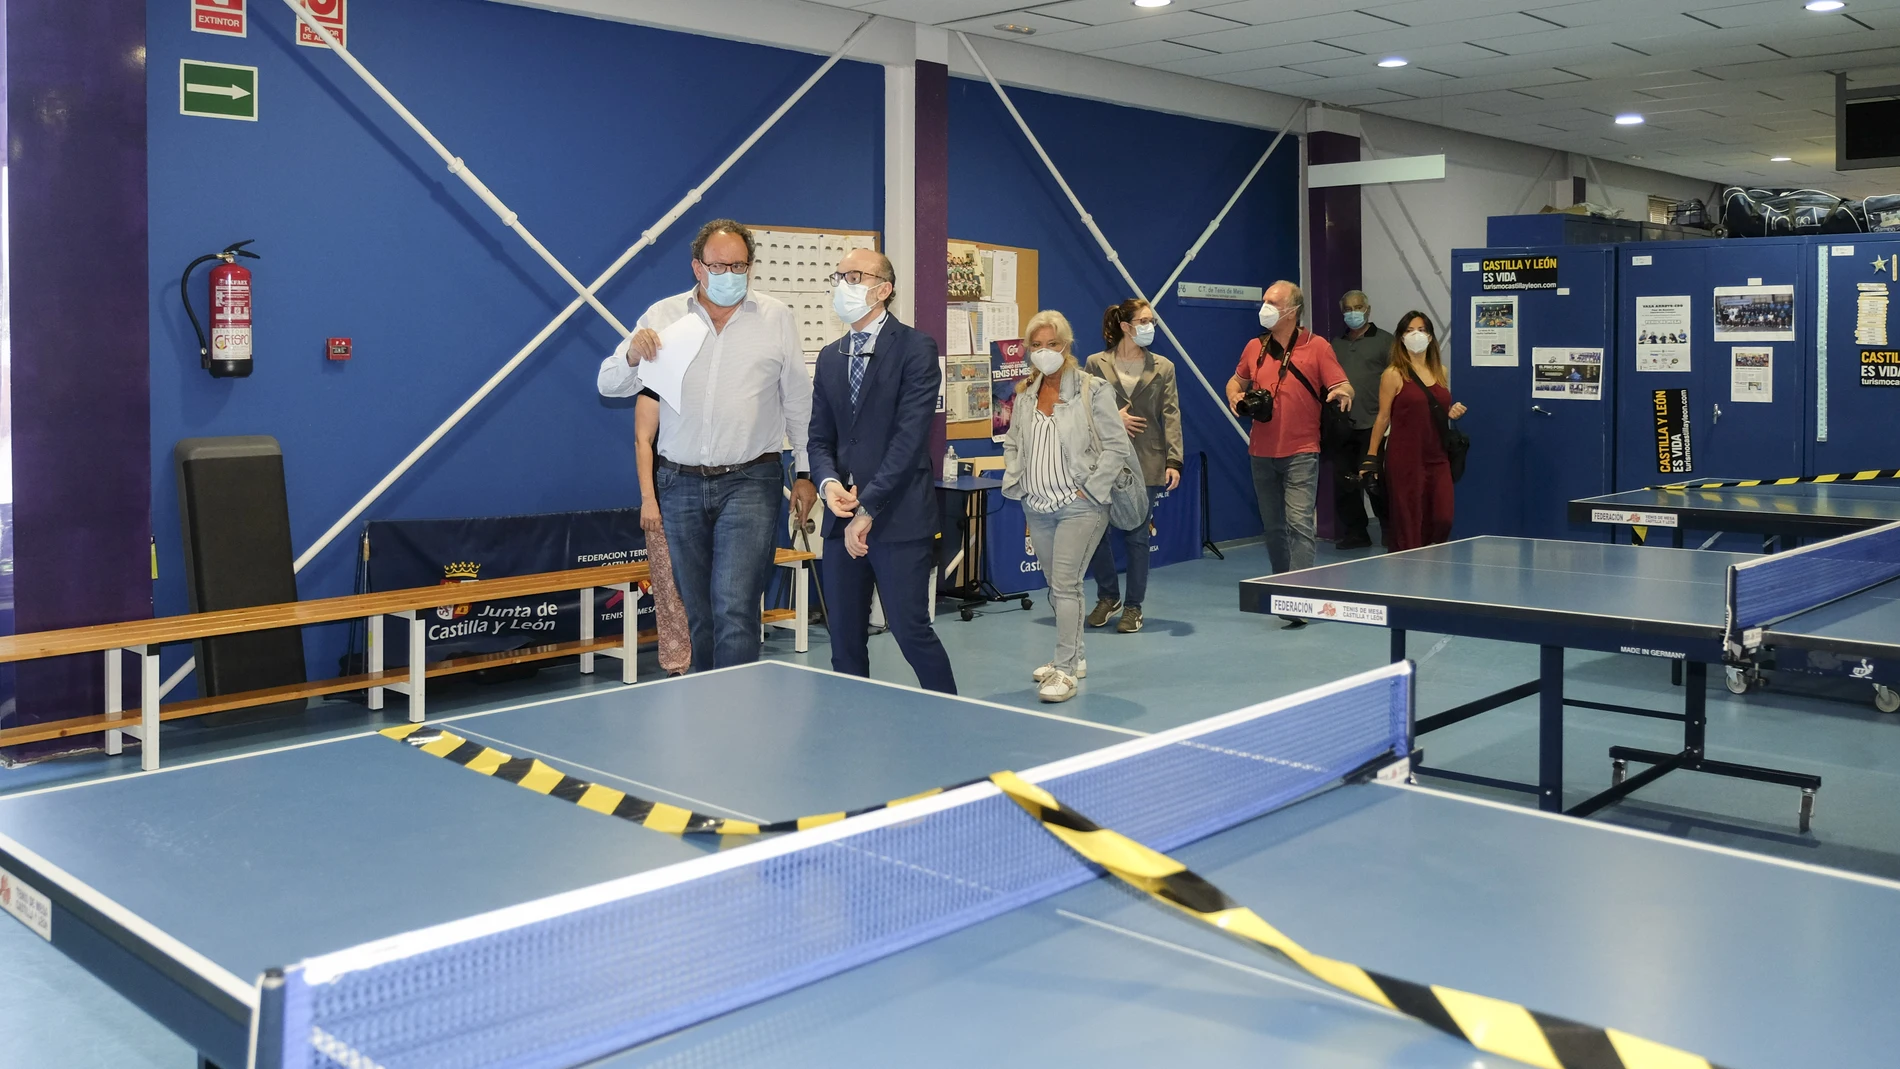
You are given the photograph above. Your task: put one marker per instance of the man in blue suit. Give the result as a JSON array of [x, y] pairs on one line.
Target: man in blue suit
[[874, 399]]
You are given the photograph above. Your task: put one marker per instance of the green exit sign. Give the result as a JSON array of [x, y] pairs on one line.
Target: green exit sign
[[217, 90]]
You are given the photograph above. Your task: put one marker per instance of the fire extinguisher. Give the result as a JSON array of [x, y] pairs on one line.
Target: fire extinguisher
[[228, 353]]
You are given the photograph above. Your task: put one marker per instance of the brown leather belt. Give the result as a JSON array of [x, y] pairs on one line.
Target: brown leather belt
[[708, 471]]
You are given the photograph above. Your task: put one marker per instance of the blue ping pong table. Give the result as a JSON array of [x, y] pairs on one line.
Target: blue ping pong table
[[1788, 513], [356, 903], [1558, 596]]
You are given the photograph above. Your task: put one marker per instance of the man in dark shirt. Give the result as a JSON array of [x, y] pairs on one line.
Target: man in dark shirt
[[1364, 351]]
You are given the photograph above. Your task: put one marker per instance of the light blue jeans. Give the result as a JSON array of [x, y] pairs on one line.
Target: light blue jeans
[[1065, 540], [1288, 489]]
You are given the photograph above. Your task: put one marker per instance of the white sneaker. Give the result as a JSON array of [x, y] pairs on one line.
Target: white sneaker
[[1059, 687], [1047, 670]]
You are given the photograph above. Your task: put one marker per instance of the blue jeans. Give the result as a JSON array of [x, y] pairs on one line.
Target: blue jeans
[[719, 531], [1288, 489], [1064, 539], [1102, 569]]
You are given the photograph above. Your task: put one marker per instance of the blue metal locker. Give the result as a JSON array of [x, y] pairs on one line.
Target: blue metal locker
[[1531, 456], [1850, 419]]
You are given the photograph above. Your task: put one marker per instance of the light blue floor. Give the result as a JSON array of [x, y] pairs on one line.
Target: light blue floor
[[1197, 657]]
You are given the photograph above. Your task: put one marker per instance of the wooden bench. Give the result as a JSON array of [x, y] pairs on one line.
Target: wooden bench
[[143, 638]]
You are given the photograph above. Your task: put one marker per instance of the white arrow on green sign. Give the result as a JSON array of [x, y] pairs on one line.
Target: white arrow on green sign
[[217, 90]]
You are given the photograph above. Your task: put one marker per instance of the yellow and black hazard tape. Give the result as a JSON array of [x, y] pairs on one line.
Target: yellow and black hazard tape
[[542, 778], [1639, 535], [1491, 1025]]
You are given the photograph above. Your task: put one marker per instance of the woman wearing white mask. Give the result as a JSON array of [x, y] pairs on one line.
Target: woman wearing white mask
[[1416, 471], [1060, 459], [1150, 406]]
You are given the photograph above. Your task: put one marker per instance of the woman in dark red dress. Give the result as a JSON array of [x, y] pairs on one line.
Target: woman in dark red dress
[[1416, 472]]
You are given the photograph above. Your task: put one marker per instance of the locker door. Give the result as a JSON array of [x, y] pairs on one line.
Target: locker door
[[1657, 270], [1755, 429], [1858, 431]]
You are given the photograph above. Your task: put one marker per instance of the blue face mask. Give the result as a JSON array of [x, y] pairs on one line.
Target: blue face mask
[[1355, 319], [725, 290]]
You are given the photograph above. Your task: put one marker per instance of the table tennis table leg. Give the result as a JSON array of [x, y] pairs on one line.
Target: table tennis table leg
[[1550, 729], [1398, 645], [1675, 536], [115, 700], [587, 628]]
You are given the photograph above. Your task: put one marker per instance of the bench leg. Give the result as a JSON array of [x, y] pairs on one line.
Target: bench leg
[[630, 634], [115, 700], [149, 684], [801, 592], [587, 628], [418, 663], [375, 665]]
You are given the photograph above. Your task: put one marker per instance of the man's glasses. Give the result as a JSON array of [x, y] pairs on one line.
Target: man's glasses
[[739, 268], [855, 278]]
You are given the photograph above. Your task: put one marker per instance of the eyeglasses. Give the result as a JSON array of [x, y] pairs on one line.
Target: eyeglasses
[[855, 278], [739, 268]]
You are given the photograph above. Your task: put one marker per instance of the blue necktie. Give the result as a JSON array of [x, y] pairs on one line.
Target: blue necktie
[[859, 339]]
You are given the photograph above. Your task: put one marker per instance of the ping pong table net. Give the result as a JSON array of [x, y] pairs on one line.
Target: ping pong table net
[[579, 975], [1776, 586]]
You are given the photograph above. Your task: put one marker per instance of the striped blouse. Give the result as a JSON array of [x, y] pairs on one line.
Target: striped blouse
[[1048, 485]]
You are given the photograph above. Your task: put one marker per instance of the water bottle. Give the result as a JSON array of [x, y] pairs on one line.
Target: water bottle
[[950, 464]]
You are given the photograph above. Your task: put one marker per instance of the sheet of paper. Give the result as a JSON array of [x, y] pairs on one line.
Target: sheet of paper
[[1003, 276], [680, 343], [957, 329], [1754, 313], [1567, 374], [996, 321], [1870, 318], [1752, 374], [1662, 334], [1494, 330], [967, 388]]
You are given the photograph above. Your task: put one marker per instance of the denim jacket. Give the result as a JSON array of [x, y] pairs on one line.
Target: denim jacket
[[1094, 458]]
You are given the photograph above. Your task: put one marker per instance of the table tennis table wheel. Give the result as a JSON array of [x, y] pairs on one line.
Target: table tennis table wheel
[[1618, 768], [1807, 807], [1886, 699], [1742, 680]]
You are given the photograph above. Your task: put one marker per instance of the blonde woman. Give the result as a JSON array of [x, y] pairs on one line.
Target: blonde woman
[[1066, 446]]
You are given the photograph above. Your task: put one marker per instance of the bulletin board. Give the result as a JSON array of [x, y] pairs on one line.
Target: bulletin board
[[1027, 301], [794, 264]]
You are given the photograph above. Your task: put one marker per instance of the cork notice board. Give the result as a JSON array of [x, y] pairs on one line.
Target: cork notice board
[[993, 292]]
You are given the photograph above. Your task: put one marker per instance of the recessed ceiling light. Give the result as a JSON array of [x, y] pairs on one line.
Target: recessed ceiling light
[[1780, 159], [1393, 61], [1825, 5], [1010, 27], [1153, 3], [1629, 119]]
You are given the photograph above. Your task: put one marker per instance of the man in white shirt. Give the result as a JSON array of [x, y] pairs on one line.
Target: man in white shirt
[[719, 475]]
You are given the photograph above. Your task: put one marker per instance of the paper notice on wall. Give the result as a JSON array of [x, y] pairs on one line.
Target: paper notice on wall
[[1003, 276], [967, 388], [1870, 315], [994, 321], [1494, 331], [966, 272], [957, 331], [1662, 334], [1567, 374], [1751, 374]]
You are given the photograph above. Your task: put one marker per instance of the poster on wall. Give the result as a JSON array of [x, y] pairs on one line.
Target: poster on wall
[[1494, 331], [1673, 455], [1009, 365], [1662, 333], [1751, 374], [1521, 273], [1754, 313], [1567, 374], [1880, 367], [966, 272]]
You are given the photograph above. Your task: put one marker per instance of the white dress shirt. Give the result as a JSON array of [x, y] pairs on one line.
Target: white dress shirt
[[745, 394]]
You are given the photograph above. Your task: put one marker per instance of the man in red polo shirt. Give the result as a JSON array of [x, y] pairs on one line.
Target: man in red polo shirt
[[1285, 450]]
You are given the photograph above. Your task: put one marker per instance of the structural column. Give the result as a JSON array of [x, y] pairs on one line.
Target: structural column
[[1333, 240], [77, 288]]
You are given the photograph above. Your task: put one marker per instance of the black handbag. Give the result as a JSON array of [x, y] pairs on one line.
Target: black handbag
[[1335, 427], [1455, 442]]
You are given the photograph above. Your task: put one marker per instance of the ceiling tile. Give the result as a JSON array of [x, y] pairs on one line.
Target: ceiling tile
[[1330, 28], [1183, 25], [1098, 12], [986, 25], [1254, 58], [1268, 12], [1152, 53]]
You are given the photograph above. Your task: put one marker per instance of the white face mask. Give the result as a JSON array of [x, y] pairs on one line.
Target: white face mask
[[1269, 316], [849, 302], [1047, 361], [1144, 334], [1417, 341]]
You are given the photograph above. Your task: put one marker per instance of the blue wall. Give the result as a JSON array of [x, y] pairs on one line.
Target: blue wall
[[1152, 181], [590, 129]]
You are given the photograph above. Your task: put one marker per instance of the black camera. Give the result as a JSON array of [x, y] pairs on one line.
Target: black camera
[[1256, 405]]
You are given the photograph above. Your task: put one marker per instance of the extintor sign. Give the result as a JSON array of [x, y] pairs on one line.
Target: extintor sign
[[223, 17], [333, 17]]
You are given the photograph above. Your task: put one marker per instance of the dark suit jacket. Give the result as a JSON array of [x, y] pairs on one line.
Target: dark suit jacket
[[885, 447]]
